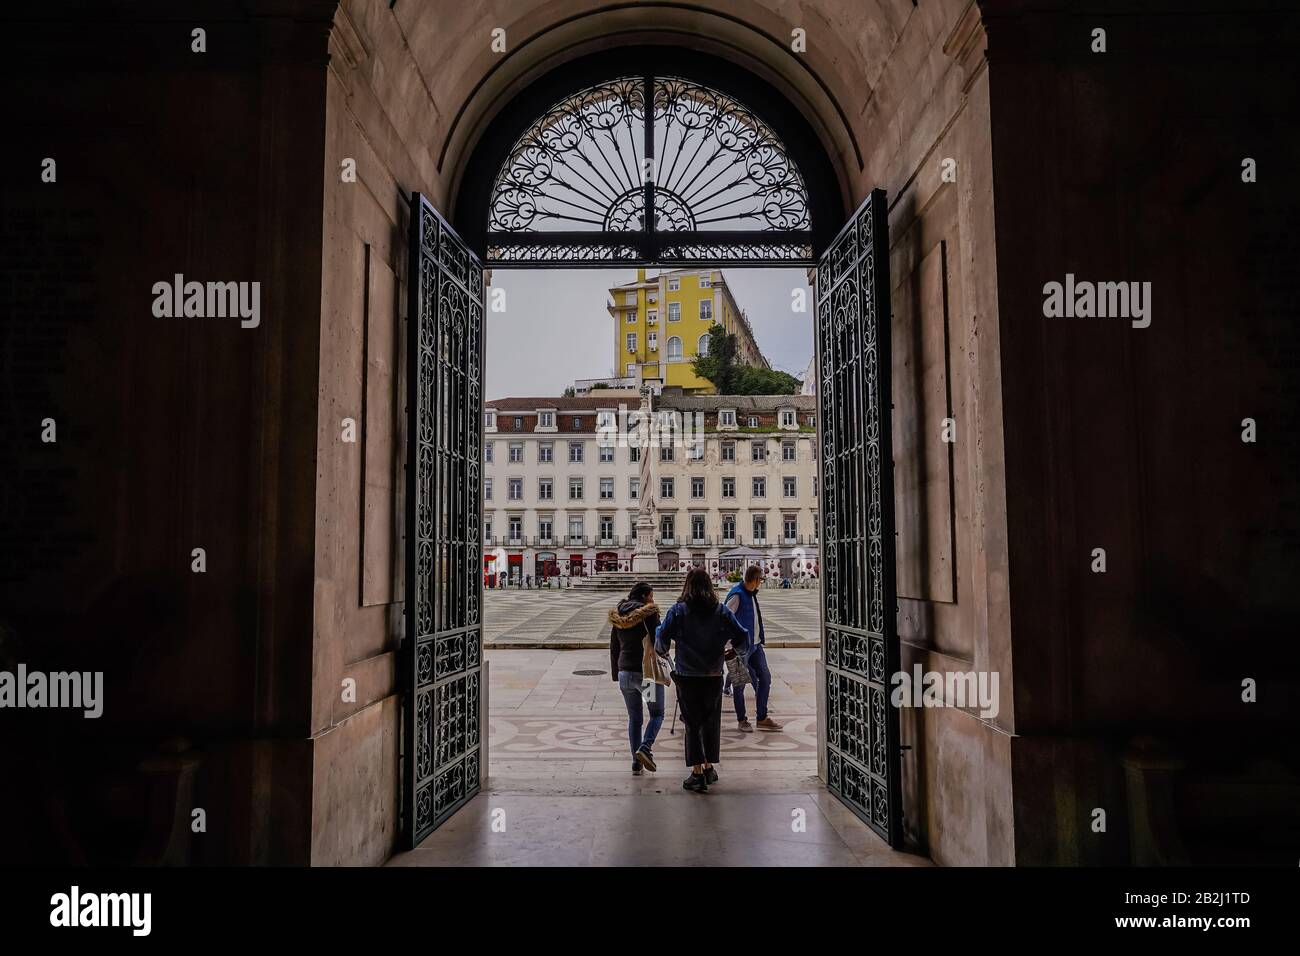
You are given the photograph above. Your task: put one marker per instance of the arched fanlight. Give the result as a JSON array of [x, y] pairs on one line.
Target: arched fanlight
[[697, 177]]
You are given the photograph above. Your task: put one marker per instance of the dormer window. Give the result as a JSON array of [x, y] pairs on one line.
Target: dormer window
[[546, 419], [727, 418], [788, 419], [490, 420]]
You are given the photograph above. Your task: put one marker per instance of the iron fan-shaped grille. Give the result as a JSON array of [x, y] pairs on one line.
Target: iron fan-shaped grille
[[698, 177]]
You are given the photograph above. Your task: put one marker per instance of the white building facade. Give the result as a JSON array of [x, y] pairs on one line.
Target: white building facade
[[736, 485]]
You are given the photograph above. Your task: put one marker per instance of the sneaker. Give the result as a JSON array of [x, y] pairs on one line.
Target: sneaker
[[710, 775], [767, 723], [644, 758], [636, 769], [745, 726], [696, 782]]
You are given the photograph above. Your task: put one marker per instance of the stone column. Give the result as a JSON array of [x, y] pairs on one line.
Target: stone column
[[646, 555]]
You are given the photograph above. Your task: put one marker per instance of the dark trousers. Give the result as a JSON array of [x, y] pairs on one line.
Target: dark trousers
[[700, 700], [762, 678]]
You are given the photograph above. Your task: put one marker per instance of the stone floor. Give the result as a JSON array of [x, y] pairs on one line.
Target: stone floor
[[575, 618], [561, 792]]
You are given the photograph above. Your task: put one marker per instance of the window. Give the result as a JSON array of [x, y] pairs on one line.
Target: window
[[753, 421], [728, 487], [487, 530], [697, 487], [487, 489], [516, 489], [652, 341], [759, 487], [489, 419], [760, 529], [487, 451], [631, 318], [757, 451], [631, 369], [727, 418], [575, 452], [545, 452], [789, 527], [812, 420], [665, 487], [652, 317], [546, 419], [606, 527], [631, 341], [702, 346], [605, 419], [575, 489], [575, 528], [606, 453], [516, 527], [607, 489], [634, 454], [634, 488], [814, 486], [665, 452], [787, 418], [706, 282], [697, 527], [519, 422], [728, 451], [787, 451], [728, 528], [516, 452], [577, 423], [789, 487], [674, 311], [666, 528], [544, 528], [545, 489], [706, 309], [674, 285], [697, 450], [674, 349]]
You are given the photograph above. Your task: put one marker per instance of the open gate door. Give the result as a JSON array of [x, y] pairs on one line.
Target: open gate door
[[442, 646], [859, 630]]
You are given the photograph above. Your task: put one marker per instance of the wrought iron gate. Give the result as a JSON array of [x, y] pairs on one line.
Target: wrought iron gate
[[859, 631], [442, 648]]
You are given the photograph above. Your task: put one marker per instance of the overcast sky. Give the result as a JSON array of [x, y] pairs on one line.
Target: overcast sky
[[555, 327]]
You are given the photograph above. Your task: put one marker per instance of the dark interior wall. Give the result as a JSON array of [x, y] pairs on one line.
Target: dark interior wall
[[1127, 166], [173, 433]]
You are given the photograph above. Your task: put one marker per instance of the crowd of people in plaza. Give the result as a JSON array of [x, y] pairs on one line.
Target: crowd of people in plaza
[[705, 647]]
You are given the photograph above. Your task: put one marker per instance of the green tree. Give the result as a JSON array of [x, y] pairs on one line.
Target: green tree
[[720, 365]]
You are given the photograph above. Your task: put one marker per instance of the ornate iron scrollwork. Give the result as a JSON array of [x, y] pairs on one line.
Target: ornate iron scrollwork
[[442, 646], [859, 640], [601, 177]]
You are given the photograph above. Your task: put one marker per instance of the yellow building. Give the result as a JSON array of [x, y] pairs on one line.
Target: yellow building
[[661, 323]]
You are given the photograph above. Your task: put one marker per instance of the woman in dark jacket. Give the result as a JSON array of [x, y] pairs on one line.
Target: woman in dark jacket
[[701, 629], [632, 628]]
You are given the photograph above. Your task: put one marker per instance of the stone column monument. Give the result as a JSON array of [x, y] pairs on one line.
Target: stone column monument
[[646, 555]]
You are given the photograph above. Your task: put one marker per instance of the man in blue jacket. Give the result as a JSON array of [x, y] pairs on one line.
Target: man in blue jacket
[[742, 601]]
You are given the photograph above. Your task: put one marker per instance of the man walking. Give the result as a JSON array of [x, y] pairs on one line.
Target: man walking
[[742, 601]]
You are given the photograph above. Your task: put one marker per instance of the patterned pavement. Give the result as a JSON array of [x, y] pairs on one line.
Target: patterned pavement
[[575, 618], [547, 722]]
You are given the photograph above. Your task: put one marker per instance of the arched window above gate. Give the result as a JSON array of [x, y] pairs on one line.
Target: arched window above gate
[[697, 178]]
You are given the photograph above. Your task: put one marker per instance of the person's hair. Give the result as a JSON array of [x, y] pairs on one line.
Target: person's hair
[[697, 591], [753, 573], [640, 591]]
